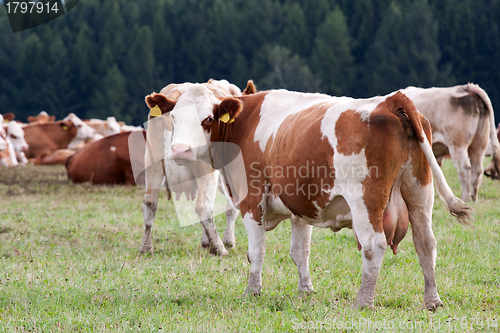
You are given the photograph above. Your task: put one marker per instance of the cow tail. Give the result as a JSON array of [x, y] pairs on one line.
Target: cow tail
[[495, 145], [403, 105]]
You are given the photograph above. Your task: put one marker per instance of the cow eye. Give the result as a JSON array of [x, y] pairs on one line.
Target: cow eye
[[208, 121], [12, 136]]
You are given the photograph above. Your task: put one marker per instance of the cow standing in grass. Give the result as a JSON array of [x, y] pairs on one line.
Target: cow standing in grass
[[462, 121], [197, 181], [366, 164]]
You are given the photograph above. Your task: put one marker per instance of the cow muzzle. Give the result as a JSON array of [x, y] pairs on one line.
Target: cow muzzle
[[181, 154]]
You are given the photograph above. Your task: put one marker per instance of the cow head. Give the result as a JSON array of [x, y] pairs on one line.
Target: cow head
[[195, 114], [15, 133], [83, 131]]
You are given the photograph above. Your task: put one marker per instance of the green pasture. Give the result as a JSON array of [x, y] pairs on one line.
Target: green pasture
[[69, 262]]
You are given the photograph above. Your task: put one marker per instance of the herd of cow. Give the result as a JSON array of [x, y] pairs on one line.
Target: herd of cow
[[318, 160]]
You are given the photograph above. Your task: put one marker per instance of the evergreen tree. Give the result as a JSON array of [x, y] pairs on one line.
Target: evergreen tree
[[331, 58]]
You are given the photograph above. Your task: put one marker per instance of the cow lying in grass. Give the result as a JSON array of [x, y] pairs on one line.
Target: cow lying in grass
[[322, 161]]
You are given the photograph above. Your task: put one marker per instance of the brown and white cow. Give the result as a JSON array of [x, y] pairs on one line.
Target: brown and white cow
[[462, 121], [106, 161], [104, 127], [327, 162], [45, 138], [197, 178]]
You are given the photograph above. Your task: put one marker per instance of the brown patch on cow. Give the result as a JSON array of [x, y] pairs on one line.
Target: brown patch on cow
[[98, 164], [471, 105], [165, 104], [301, 161], [351, 132], [393, 125]]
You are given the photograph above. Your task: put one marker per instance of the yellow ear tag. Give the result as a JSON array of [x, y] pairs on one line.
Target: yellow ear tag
[[64, 127], [231, 121], [6, 120], [225, 118], [155, 112]]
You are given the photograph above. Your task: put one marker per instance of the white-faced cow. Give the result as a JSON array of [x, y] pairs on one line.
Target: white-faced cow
[[197, 178], [462, 121], [327, 162]]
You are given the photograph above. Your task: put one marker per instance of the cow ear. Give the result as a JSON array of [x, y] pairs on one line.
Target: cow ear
[[31, 119], [66, 125], [165, 104], [250, 89], [8, 117], [228, 109], [52, 119]]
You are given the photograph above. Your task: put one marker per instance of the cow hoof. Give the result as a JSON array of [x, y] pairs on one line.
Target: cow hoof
[[146, 249], [360, 306], [432, 306], [229, 243], [307, 291], [219, 252], [205, 244]]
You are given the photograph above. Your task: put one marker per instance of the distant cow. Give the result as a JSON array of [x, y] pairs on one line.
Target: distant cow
[[46, 138], [104, 127], [42, 118], [462, 120], [106, 161], [490, 169], [322, 161]]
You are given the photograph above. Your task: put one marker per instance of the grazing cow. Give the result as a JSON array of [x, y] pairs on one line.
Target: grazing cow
[[42, 118], [490, 169], [158, 170], [106, 161], [46, 138], [322, 161], [462, 120], [104, 127]]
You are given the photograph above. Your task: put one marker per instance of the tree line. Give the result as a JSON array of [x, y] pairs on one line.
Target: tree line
[[103, 57]]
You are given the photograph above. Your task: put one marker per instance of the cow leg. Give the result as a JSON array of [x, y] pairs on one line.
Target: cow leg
[[461, 161], [477, 169], [231, 214], [256, 252], [205, 210], [373, 247], [149, 208], [420, 205], [300, 247]]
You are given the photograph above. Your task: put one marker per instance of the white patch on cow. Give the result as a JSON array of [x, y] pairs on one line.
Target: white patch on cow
[[193, 107], [277, 106], [112, 148]]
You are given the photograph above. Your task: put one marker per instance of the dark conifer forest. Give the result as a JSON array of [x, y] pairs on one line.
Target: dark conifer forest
[[103, 57]]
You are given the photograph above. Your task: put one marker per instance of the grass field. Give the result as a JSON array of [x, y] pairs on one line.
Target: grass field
[[69, 262]]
